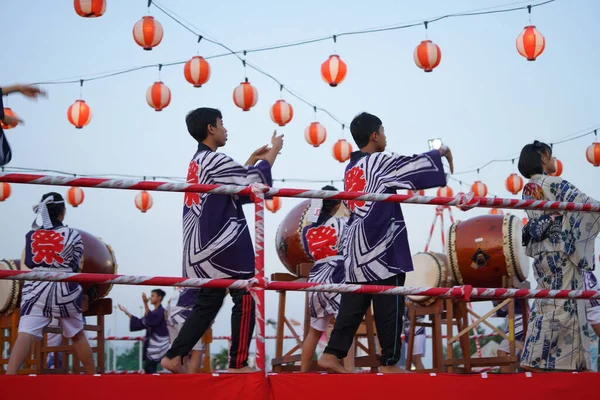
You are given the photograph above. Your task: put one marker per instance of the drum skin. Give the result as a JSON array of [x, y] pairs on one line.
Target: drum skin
[[11, 299], [476, 251], [288, 239], [443, 277]]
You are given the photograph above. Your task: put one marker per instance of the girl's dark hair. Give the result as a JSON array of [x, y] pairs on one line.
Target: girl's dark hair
[[54, 208], [530, 160], [328, 206]]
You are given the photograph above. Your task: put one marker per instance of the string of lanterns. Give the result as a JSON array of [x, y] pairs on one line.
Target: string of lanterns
[[148, 33]]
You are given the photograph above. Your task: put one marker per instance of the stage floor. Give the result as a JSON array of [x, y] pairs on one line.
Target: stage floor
[[564, 386]]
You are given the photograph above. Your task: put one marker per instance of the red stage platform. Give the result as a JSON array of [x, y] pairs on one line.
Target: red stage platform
[[564, 386]]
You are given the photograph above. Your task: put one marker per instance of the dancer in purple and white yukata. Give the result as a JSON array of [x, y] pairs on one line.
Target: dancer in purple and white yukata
[[377, 250], [323, 240], [53, 247], [216, 239], [176, 317], [154, 322]]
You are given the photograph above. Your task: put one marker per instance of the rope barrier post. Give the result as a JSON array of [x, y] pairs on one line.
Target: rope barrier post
[[258, 291]]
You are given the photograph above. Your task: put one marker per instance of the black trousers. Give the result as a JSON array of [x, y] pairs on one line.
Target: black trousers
[[150, 366], [208, 303], [388, 313]]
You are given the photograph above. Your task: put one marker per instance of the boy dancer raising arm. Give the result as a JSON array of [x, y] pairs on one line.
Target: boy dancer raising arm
[[216, 240], [377, 250]]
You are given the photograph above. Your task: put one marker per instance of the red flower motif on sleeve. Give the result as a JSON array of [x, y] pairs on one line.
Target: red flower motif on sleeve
[[47, 246], [192, 177], [533, 191], [321, 242], [355, 182]]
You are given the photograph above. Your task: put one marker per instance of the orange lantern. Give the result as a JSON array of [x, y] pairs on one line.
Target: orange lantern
[[75, 196], [315, 134], [9, 113], [148, 32], [592, 154], [530, 43], [559, 168], [5, 191], [417, 193], [514, 183], [342, 150], [90, 8], [427, 55], [479, 189], [333, 71], [143, 201], [445, 191], [525, 220], [245, 95], [273, 204], [158, 96], [282, 112], [79, 114], [496, 211], [197, 71]]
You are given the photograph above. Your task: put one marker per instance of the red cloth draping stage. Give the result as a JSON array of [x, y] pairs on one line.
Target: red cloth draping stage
[[564, 386]]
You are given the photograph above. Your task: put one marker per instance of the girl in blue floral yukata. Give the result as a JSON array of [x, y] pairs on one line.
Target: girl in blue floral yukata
[[562, 247]]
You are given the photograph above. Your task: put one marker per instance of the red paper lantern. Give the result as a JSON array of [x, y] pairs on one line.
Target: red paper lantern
[[273, 204], [245, 96], [445, 191], [5, 191], [479, 189], [9, 113], [315, 134], [530, 43], [593, 154], [79, 114], [427, 55], [559, 168], [282, 112], [514, 183], [143, 201], [342, 150], [148, 32], [75, 196], [197, 71], [496, 211], [333, 71], [90, 8], [158, 96]]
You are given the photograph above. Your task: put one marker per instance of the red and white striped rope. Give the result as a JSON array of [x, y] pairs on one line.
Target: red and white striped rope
[[460, 199], [463, 292]]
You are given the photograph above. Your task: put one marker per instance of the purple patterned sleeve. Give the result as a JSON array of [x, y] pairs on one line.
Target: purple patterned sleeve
[[136, 324], [421, 171]]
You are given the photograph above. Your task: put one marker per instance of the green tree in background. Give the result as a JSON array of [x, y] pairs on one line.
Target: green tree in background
[[220, 361]]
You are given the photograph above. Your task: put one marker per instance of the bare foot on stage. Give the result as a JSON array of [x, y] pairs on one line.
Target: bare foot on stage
[[331, 363], [244, 370], [173, 364], [392, 369]]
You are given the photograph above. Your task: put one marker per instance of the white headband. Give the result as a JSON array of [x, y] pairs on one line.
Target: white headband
[[42, 208]]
